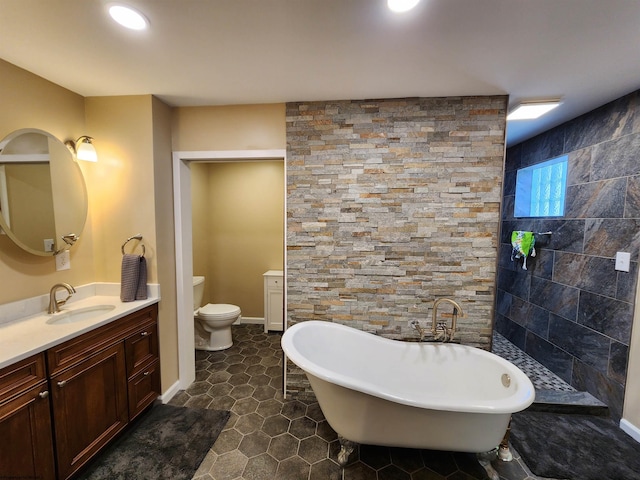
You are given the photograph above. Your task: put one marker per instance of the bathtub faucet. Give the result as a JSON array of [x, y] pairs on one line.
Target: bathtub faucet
[[440, 330]]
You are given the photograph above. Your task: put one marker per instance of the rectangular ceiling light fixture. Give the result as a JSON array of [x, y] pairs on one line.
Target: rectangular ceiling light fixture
[[528, 110]]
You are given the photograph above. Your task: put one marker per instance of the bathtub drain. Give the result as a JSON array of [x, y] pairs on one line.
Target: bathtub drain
[[506, 380]]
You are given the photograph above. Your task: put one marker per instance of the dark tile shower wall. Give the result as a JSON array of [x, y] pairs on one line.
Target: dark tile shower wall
[[571, 310]]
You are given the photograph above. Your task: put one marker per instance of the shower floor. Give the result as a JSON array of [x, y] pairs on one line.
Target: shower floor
[[541, 377]]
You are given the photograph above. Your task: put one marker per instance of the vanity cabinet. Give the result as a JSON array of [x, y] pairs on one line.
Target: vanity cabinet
[[94, 382], [25, 421], [273, 300], [93, 385]]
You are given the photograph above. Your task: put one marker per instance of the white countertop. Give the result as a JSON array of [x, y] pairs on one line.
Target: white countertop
[[24, 330]]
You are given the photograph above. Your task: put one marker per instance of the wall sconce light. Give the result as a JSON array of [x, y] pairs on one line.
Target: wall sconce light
[[83, 149], [529, 110]]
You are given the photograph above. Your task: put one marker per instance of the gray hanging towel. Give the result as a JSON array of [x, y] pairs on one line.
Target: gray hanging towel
[[130, 276], [141, 291]]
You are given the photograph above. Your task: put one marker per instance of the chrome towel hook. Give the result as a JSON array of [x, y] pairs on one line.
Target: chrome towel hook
[[135, 237]]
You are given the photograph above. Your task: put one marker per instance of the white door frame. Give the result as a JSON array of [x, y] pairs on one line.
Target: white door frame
[[184, 242]]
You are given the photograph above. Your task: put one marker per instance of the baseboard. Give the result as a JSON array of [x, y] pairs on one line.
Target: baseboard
[[170, 393], [630, 429], [250, 320]]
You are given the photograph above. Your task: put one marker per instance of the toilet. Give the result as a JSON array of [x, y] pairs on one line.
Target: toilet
[[213, 321]]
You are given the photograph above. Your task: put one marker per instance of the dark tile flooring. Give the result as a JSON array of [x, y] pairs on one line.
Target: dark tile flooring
[[269, 437]]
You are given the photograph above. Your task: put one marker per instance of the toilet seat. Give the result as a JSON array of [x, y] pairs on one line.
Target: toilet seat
[[218, 311]]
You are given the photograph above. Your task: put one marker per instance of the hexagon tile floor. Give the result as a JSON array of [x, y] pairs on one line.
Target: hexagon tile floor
[[269, 437]]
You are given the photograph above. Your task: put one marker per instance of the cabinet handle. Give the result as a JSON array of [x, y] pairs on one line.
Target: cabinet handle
[[44, 394], [146, 373], [144, 334], [62, 383]]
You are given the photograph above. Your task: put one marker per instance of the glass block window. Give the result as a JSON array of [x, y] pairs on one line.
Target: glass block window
[[541, 189]]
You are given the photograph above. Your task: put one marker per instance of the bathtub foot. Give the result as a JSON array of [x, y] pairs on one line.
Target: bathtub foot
[[485, 460], [504, 453], [346, 449]]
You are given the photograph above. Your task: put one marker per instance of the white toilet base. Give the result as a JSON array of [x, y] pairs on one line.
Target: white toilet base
[[213, 340], [205, 346]]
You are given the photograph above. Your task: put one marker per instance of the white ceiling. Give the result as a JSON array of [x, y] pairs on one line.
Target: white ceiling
[[223, 52]]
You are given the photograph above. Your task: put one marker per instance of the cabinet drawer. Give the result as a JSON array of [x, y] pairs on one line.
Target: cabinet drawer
[[275, 282], [80, 348], [21, 376], [141, 348], [143, 389]]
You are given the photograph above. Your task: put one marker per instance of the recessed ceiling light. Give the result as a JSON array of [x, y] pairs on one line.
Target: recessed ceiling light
[[533, 109], [128, 17], [400, 6]]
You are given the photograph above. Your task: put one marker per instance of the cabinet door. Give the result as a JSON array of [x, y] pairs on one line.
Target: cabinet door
[[89, 407], [25, 430], [275, 305]]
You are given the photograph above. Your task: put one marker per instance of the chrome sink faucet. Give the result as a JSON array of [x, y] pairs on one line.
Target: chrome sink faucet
[[440, 330], [54, 305]]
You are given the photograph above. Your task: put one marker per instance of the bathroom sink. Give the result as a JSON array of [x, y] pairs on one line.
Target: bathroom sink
[[79, 314]]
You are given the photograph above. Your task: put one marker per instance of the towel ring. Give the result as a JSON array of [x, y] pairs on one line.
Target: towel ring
[[135, 237]]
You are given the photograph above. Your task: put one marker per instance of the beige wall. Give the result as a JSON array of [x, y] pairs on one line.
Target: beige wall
[[237, 127], [165, 242], [200, 224], [130, 190], [238, 229], [120, 184], [29, 101]]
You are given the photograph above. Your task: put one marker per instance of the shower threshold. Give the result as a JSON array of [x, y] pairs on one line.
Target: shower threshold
[[552, 393]]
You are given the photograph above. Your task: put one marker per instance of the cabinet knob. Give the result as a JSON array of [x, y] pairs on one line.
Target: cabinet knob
[[44, 394], [62, 383], [144, 334], [146, 373]]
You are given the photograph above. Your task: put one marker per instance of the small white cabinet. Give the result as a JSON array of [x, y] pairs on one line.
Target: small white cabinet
[[273, 300]]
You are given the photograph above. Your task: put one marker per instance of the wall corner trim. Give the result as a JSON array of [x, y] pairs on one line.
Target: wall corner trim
[[170, 393]]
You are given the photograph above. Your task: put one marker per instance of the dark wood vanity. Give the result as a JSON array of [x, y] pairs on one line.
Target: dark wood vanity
[[60, 407]]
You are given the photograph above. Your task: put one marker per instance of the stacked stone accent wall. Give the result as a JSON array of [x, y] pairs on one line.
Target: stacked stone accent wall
[[392, 204]]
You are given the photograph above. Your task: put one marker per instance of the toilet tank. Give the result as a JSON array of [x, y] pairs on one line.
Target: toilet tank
[[198, 292]]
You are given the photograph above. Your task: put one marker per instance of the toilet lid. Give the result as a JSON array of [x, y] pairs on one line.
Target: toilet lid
[[219, 310]]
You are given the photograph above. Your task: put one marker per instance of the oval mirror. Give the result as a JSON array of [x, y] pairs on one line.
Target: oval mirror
[[43, 197]]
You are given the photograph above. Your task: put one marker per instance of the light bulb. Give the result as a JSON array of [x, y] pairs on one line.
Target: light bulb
[[128, 17], [400, 6]]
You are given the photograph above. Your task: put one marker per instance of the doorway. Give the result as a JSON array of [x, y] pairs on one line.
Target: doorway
[[184, 241]]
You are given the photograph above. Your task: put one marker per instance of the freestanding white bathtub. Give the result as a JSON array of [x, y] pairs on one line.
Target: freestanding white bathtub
[[377, 391]]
